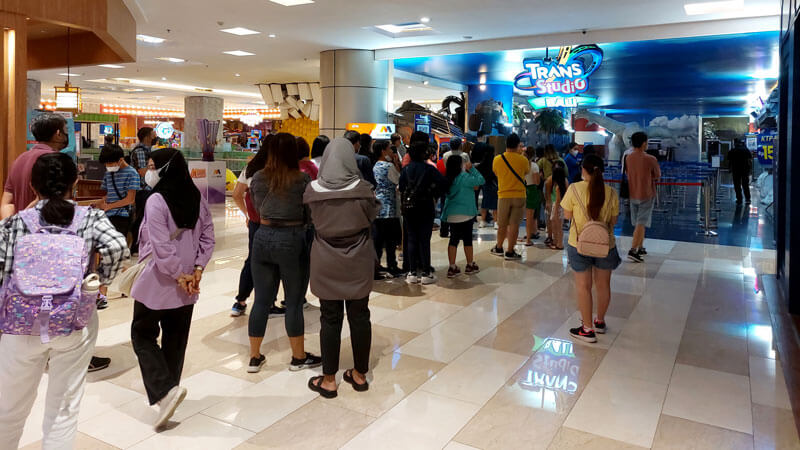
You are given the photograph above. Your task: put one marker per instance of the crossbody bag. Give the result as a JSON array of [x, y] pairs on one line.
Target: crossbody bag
[[513, 171]]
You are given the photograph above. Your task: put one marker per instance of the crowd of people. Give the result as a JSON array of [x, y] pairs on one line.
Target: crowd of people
[[332, 215]]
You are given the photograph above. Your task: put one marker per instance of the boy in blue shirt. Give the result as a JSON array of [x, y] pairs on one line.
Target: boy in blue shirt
[[120, 182]]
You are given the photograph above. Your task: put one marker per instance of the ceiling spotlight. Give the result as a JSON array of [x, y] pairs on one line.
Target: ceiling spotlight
[[424, 19], [239, 53], [163, 78], [172, 60], [65, 74], [149, 39], [410, 87], [426, 82], [111, 66], [273, 36], [236, 75], [240, 31]]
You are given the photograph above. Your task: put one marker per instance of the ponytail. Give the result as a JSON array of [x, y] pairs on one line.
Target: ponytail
[[593, 164], [52, 177]]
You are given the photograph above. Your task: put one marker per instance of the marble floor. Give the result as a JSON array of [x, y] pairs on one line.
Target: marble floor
[[476, 362]]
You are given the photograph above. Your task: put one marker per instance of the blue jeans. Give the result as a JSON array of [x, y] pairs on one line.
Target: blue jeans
[[246, 277], [279, 255]]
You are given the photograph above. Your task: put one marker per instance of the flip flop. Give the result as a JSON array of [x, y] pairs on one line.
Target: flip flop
[[529, 244], [317, 387], [348, 377]]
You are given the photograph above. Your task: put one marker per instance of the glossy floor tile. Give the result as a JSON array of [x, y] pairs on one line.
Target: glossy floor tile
[[711, 397], [619, 407], [478, 362], [677, 434], [413, 416]]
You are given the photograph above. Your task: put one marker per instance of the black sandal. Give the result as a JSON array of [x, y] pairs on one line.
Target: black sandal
[[317, 387], [348, 377]]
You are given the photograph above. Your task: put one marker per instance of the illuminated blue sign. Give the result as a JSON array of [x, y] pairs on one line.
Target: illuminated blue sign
[[560, 83]]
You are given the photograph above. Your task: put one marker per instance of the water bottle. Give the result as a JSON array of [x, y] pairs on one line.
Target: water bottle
[[91, 285]]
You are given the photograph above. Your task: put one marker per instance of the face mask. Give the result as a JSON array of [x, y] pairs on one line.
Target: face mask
[[152, 178], [574, 152], [388, 158], [112, 169]]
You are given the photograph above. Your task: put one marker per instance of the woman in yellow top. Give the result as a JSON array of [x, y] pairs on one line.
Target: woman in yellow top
[[602, 204]]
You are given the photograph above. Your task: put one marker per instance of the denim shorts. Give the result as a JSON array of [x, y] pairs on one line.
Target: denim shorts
[[642, 212], [580, 263]]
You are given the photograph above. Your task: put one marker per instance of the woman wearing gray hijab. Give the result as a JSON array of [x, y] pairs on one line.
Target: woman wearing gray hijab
[[343, 207]]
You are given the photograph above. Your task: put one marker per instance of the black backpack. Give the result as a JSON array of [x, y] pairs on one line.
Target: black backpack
[[414, 196]]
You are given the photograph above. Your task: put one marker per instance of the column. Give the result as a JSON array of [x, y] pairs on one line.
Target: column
[[354, 89], [13, 88], [196, 108], [34, 94]]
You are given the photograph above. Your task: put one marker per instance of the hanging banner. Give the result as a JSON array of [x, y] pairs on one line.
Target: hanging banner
[[561, 82]]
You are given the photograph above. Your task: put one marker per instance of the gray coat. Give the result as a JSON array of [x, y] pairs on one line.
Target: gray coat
[[342, 255]]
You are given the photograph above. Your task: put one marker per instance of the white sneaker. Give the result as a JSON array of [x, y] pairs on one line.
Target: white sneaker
[[428, 278], [168, 405], [412, 278]]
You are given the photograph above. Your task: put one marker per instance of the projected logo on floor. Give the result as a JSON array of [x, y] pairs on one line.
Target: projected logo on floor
[[560, 82]]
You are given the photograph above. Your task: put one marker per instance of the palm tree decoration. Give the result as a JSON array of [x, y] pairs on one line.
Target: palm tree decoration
[[550, 121]]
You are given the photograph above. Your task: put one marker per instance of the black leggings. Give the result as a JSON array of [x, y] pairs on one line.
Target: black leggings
[[387, 236], [461, 231], [330, 336]]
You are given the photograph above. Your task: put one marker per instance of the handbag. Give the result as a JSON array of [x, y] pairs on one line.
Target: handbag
[[593, 239], [125, 281]]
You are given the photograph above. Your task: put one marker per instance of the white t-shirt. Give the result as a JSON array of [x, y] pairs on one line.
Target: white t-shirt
[[463, 155], [529, 175], [243, 179]]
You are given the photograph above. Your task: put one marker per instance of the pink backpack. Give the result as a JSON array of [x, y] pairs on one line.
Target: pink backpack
[[43, 294], [594, 239]]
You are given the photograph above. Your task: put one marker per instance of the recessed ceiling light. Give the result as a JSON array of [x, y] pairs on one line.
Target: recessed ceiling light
[[65, 74], [240, 31], [696, 9], [111, 66], [426, 82], [400, 30], [149, 39], [163, 78], [239, 53], [292, 2], [133, 90], [236, 75], [272, 35], [172, 60], [410, 87], [424, 19]]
